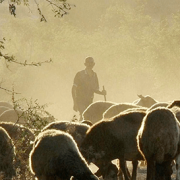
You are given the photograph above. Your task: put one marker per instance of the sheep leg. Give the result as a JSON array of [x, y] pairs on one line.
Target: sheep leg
[[168, 169], [124, 169], [120, 174], [98, 173], [150, 170], [177, 167], [134, 172]]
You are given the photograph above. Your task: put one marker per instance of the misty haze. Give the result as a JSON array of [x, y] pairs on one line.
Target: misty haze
[[135, 46]]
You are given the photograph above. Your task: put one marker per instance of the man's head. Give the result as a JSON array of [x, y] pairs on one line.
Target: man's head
[[89, 62]]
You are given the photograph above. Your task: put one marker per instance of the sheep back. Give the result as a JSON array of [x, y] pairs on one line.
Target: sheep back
[[115, 138], [76, 129], [55, 154], [7, 154], [158, 135], [117, 108], [145, 101], [94, 112]]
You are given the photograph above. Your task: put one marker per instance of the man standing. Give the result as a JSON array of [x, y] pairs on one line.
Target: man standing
[[84, 86]]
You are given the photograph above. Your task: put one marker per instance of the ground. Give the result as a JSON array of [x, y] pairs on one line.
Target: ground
[[141, 175]]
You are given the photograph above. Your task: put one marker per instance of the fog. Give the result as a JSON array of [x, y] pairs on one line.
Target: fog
[[135, 45]]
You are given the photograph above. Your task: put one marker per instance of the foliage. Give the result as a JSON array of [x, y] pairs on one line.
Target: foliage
[[59, 7], [9, 59], [35, 115], [12, 59], [23, 135]]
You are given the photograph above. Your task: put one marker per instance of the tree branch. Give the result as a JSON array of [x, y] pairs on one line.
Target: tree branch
[[59, 7]]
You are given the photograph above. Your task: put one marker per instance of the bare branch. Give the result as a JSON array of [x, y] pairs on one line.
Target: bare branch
[[60, 9], [11, 58], [40, 12], [9, 91]]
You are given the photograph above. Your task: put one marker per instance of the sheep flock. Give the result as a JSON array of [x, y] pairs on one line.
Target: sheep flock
[[114, 141]]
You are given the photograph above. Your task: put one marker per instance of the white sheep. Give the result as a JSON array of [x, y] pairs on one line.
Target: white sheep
[[94, 112]]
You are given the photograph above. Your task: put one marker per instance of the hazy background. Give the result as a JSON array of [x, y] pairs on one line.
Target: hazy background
[[135, 45]]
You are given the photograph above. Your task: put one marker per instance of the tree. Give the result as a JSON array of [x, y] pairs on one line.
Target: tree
[[12, 59], [59, 7]]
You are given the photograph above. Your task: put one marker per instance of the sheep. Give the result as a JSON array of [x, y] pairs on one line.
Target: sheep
[[3, 108], [175, 107], [88, 122], [145, 101], [11, 115], [117, 108], [108, 171], [6, 104], [159, 104], [112, 139], [174, 103], [76, 129], [55, 155], [122, 107], [22, 138], [158, 139], [24, 118], [94, 112], [7, 154]]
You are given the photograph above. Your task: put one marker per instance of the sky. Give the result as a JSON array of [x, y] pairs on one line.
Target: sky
[[132, 55]]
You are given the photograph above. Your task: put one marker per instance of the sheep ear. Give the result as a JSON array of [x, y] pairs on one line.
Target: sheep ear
[[140, 96]]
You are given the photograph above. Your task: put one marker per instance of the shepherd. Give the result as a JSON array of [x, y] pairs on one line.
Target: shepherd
[[85, 85]]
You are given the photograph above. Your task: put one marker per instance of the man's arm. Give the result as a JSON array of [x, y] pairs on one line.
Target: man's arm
[[103, 92], [97, 91]]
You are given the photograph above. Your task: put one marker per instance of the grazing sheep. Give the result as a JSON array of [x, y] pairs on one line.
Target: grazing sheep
[[75, 129], [3, 108], [55, 155], [175, 108], [7, 154], [145, 101], [6, 104], [94, 112], [11, 115], [174, 103], [117, 108], [22, 138], [114, 139], [108, 171], [158, 139], [88, 122], [22, 117], [159, 104], [177, 161], [78, 131]]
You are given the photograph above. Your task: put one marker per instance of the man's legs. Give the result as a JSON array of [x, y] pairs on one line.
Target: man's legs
[[82, 105]]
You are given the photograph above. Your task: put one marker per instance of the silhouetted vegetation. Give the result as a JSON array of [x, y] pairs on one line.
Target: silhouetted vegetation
[[59, 7]]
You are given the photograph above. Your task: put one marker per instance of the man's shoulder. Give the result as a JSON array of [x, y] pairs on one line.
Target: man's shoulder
[[81, 72]]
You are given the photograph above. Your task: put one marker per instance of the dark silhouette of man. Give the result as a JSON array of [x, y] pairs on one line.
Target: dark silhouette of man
[[85, 85]]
